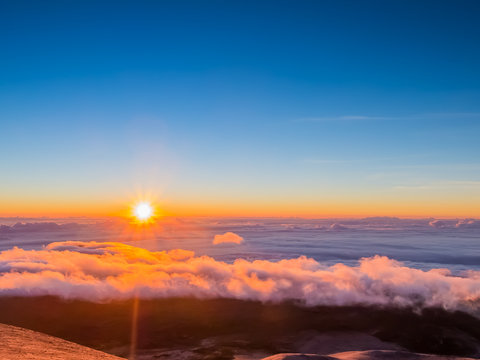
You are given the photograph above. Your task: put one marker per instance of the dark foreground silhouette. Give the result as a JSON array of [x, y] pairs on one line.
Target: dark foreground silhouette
[[222, 325]]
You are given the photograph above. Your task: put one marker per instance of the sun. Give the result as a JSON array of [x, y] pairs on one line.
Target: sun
[[143, 211]]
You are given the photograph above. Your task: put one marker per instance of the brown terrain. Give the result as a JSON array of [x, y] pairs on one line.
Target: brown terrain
[[221, 329], [18, 343]]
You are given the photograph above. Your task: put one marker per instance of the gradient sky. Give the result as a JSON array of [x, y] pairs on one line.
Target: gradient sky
[[306, 108]]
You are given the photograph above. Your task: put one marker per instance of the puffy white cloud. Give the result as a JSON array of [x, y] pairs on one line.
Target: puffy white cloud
[[102, 271], [228, 237]]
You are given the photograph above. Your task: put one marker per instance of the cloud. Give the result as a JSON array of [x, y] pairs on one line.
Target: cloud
[[344, 118], [338, 227], [468, 224], [443, 184], [102, 271], [326, 161], [228, 237], [407, 117], [437, 224], [30, 227], [33, 227]]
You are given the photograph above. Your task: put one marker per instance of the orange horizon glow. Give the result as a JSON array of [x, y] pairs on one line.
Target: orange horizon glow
[[282, 209]]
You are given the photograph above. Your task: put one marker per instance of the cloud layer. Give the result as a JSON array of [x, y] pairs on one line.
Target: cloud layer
[[102, 271]]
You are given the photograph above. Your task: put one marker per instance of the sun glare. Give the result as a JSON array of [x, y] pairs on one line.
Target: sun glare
[[143, 211]]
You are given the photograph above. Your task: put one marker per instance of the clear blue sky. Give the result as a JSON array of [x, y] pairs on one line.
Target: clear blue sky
[[241, 104]]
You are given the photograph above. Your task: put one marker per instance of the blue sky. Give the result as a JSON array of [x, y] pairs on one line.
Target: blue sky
[[241, 104]]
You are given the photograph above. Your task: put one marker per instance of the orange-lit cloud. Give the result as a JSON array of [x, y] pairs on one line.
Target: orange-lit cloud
[[102, 271], [228, 237]]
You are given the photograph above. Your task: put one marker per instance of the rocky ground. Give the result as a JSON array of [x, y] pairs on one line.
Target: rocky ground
[[18, 344], [365, 355]]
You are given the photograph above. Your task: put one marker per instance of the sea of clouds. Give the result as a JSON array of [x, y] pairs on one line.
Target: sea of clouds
[[102, 271], [374, 261]]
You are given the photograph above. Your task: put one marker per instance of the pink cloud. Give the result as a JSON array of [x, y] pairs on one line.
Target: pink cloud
[[228, 237], [468, 223], [438, 224]]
